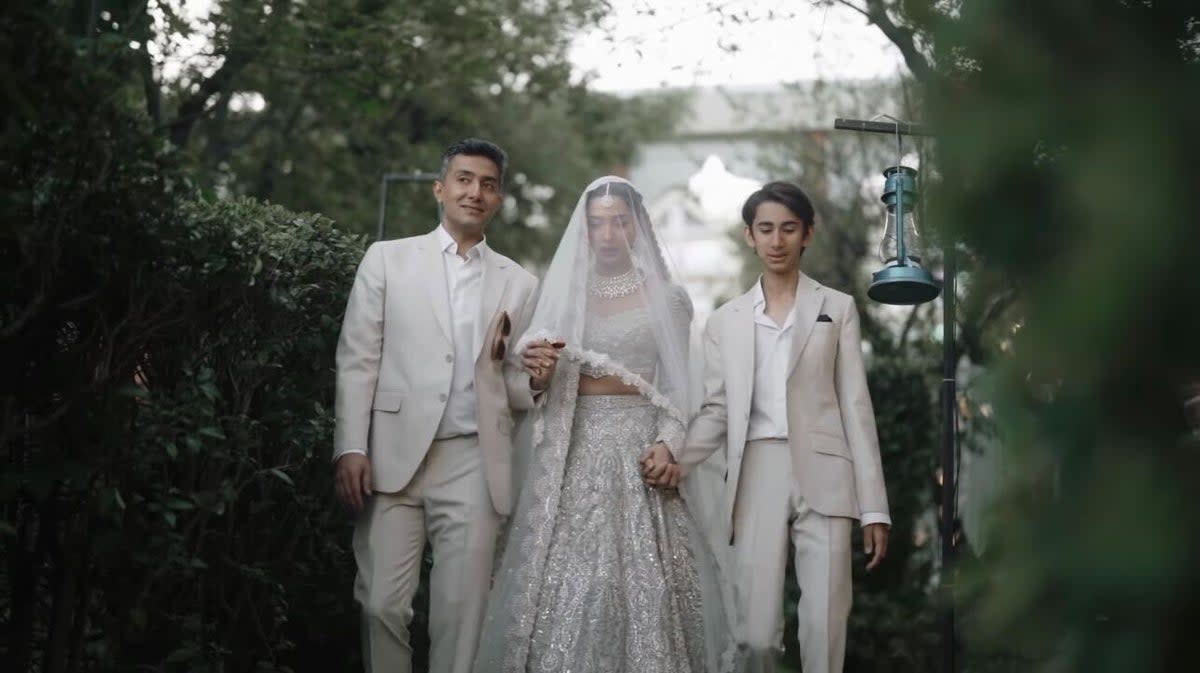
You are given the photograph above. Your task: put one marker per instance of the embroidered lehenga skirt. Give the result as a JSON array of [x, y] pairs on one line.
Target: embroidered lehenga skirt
[[620, 591]]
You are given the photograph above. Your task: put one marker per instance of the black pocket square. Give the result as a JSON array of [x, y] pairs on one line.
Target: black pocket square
[[824, 318]]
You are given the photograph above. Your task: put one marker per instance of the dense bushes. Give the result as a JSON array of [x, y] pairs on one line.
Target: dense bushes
[[171, 502], [165, 497]]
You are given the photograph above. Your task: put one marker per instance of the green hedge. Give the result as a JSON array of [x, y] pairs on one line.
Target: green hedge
[[171, 501], [165, 502]]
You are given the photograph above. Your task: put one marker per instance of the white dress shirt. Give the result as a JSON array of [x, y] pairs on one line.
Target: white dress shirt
[[768, 402], [772, 350], [464, 284]]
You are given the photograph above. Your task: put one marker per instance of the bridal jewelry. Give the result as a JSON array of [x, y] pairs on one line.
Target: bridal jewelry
[[615, 287]]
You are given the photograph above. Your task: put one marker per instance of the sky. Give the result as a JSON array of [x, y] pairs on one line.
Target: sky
[[646, 44]]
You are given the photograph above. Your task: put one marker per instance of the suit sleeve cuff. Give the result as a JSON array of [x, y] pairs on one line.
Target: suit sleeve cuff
[[539, 397], [869, 518], [339, 454]]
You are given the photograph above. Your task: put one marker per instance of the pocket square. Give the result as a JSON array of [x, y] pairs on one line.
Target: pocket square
[[824, 318], [497, 335]]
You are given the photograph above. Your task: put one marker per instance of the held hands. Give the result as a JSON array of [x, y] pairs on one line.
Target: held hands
[[875, 541], [540, 358], [352, 479], [658, 467]]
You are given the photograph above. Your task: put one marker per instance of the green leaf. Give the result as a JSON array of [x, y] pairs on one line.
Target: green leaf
[[211, 431], [132, 390], [282, 476]]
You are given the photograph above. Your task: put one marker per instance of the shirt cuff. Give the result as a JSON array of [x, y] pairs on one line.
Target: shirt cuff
[[869, 518], [343, 452]]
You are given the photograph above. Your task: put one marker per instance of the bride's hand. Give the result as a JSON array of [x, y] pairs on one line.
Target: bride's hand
[[540, 359], [659, 468]]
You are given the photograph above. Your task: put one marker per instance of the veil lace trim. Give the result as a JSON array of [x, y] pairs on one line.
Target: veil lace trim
[[606, 364]]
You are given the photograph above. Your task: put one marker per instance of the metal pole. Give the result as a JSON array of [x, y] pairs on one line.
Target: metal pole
[[385, 182], [949, 457], [949, 402], [890, 128], [383, 194]]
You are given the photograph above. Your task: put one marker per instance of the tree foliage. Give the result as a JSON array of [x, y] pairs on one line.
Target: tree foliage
[[166, 399], [309, 104], [1066, 144]]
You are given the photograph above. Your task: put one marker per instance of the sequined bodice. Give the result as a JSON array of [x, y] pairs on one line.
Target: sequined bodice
[[626, 337]]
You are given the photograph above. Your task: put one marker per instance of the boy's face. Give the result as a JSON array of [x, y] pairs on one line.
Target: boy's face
[[778, 237]]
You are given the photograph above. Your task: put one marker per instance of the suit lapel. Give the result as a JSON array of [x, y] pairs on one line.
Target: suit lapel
[[808, 306], [741, 384], [494, 287], [439, 294]]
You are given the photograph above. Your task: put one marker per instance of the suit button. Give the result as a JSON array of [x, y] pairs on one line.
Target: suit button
[[442, 397], [449, 358]]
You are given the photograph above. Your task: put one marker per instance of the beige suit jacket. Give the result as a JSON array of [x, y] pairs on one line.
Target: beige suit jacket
[[831, 423], [395, 361]]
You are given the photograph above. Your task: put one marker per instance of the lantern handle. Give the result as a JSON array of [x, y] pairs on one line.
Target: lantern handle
[[899, 136]]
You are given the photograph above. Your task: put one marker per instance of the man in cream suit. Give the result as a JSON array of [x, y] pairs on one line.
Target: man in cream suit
[[786, 397], [423, 441]]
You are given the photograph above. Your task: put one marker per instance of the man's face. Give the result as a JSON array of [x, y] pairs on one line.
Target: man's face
[[778, 236], [469, 193]]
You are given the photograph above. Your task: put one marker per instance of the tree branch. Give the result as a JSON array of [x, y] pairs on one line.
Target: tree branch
[[193, 107], [267, 170], [851, 5], [902, 37]]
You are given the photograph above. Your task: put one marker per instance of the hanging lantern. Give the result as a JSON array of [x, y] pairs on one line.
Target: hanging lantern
[[903, 279]]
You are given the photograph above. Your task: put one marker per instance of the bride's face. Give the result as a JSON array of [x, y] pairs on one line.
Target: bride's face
[[611, 231]]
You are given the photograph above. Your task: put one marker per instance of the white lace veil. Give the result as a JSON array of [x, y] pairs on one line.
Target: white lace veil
[[564, 302], [571, 292]]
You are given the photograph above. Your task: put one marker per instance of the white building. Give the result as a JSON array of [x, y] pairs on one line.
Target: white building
[[696, 180]]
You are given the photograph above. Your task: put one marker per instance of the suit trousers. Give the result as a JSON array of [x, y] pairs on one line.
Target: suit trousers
[[768, 512], [448, 502]]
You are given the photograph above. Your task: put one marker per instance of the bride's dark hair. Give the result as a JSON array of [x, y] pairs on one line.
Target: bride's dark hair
[[633, 198]]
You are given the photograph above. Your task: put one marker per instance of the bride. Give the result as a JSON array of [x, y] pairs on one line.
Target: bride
[[602, 573]]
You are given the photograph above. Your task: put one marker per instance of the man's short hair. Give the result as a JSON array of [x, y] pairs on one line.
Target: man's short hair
[[785, 194], [476, 147]]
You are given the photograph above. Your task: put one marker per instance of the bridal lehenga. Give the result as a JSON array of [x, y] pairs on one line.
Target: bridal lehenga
[[601, 573]]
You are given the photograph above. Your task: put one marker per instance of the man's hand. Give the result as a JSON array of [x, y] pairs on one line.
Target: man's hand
[[540, 358], [659, 468], [875, 541], [353, 479]]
